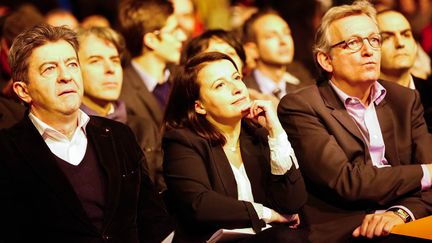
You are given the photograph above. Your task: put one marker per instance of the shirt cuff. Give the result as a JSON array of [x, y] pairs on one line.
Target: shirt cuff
[[282, 155], [405, 209], [426, 181], [263, 212]]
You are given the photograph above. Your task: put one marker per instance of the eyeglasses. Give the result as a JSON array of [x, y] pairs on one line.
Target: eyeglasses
[[355, 43]]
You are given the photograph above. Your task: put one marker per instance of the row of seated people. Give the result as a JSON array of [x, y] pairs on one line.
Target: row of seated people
[[360, 144]]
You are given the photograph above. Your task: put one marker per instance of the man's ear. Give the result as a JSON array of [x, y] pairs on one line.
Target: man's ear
[[199, 108], [21, 89], [251, 50], [150, 40], [325, 61]]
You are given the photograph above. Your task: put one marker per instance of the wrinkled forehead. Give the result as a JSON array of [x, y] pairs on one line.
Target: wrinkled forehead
[[353, 25]]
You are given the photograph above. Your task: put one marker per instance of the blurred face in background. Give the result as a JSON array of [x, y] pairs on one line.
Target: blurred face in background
[[274, 43], [168, 41], [184, 12], [219, 45], [399, 49], [101, 69]]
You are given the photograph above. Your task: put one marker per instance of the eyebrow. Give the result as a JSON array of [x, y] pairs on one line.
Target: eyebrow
[[392, 32], [55, 62]]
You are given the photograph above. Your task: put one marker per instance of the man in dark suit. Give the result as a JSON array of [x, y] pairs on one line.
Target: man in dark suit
[[399, 51], [154, 40], [65, 176], [362, 145], [267, 37], [100, 52]]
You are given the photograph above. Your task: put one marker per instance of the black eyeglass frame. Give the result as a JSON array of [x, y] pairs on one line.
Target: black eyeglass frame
[[361, 41]]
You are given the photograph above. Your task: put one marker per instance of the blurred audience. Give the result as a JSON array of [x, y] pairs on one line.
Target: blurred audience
[[398, 53], [19, 20], [61, 17], [216, 40], [154, 40], [187, 18], [268, 38], [95, 21]]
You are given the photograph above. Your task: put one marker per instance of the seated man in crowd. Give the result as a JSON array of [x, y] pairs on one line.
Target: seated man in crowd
[[100, 53], [154, 39], [65, 176], [399, 50], [268, 38], [362, 144]]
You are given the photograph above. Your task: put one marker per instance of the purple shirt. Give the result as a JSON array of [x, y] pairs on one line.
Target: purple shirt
[[367, 121]]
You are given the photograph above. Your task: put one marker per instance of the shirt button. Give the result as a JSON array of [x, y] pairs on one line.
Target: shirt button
[[106, 237]]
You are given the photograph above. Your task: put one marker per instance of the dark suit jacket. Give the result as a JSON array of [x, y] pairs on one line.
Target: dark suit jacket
[[343, 184], [202, 189], [10, 112], [139, 100], [38, 204], [424, 87]]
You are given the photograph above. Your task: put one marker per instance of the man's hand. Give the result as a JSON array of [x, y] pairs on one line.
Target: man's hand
[[379, 224]]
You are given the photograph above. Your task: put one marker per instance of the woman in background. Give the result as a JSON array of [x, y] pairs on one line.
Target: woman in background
[[221, 169]]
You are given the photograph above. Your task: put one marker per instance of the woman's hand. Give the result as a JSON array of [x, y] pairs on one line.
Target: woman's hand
[[293, 220], [263, 112]]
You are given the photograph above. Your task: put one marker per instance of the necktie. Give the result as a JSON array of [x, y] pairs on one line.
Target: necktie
[[161, 92]]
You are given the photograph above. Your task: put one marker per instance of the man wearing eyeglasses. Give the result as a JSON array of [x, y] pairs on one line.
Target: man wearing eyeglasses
[[362, 143], [154, 40]]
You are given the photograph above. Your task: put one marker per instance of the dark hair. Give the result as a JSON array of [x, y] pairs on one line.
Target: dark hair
[[201, 43], [180, 111], [27, 41], [20, 20], [104, 33], [249, 34], [138, 17]]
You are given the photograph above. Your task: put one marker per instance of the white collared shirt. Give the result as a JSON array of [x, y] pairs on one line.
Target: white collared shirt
[[282, 158], [268, 86], [71, 151]]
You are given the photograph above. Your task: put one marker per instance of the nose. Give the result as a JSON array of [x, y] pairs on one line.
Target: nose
[[64, 74], [109, 66], [236, 87], [398, 42], [367, 49]]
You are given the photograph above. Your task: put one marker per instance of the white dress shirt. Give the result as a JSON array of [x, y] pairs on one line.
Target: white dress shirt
[[71, 151], [282, 158]]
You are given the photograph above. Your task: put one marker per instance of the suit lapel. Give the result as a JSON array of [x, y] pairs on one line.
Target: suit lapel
[[225, 173], [385, 118], [338, 111], [102, 140], [40, 158], [144, 95]]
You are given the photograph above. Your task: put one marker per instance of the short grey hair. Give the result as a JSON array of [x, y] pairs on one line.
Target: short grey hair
[[322, 36], [27, 41]]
